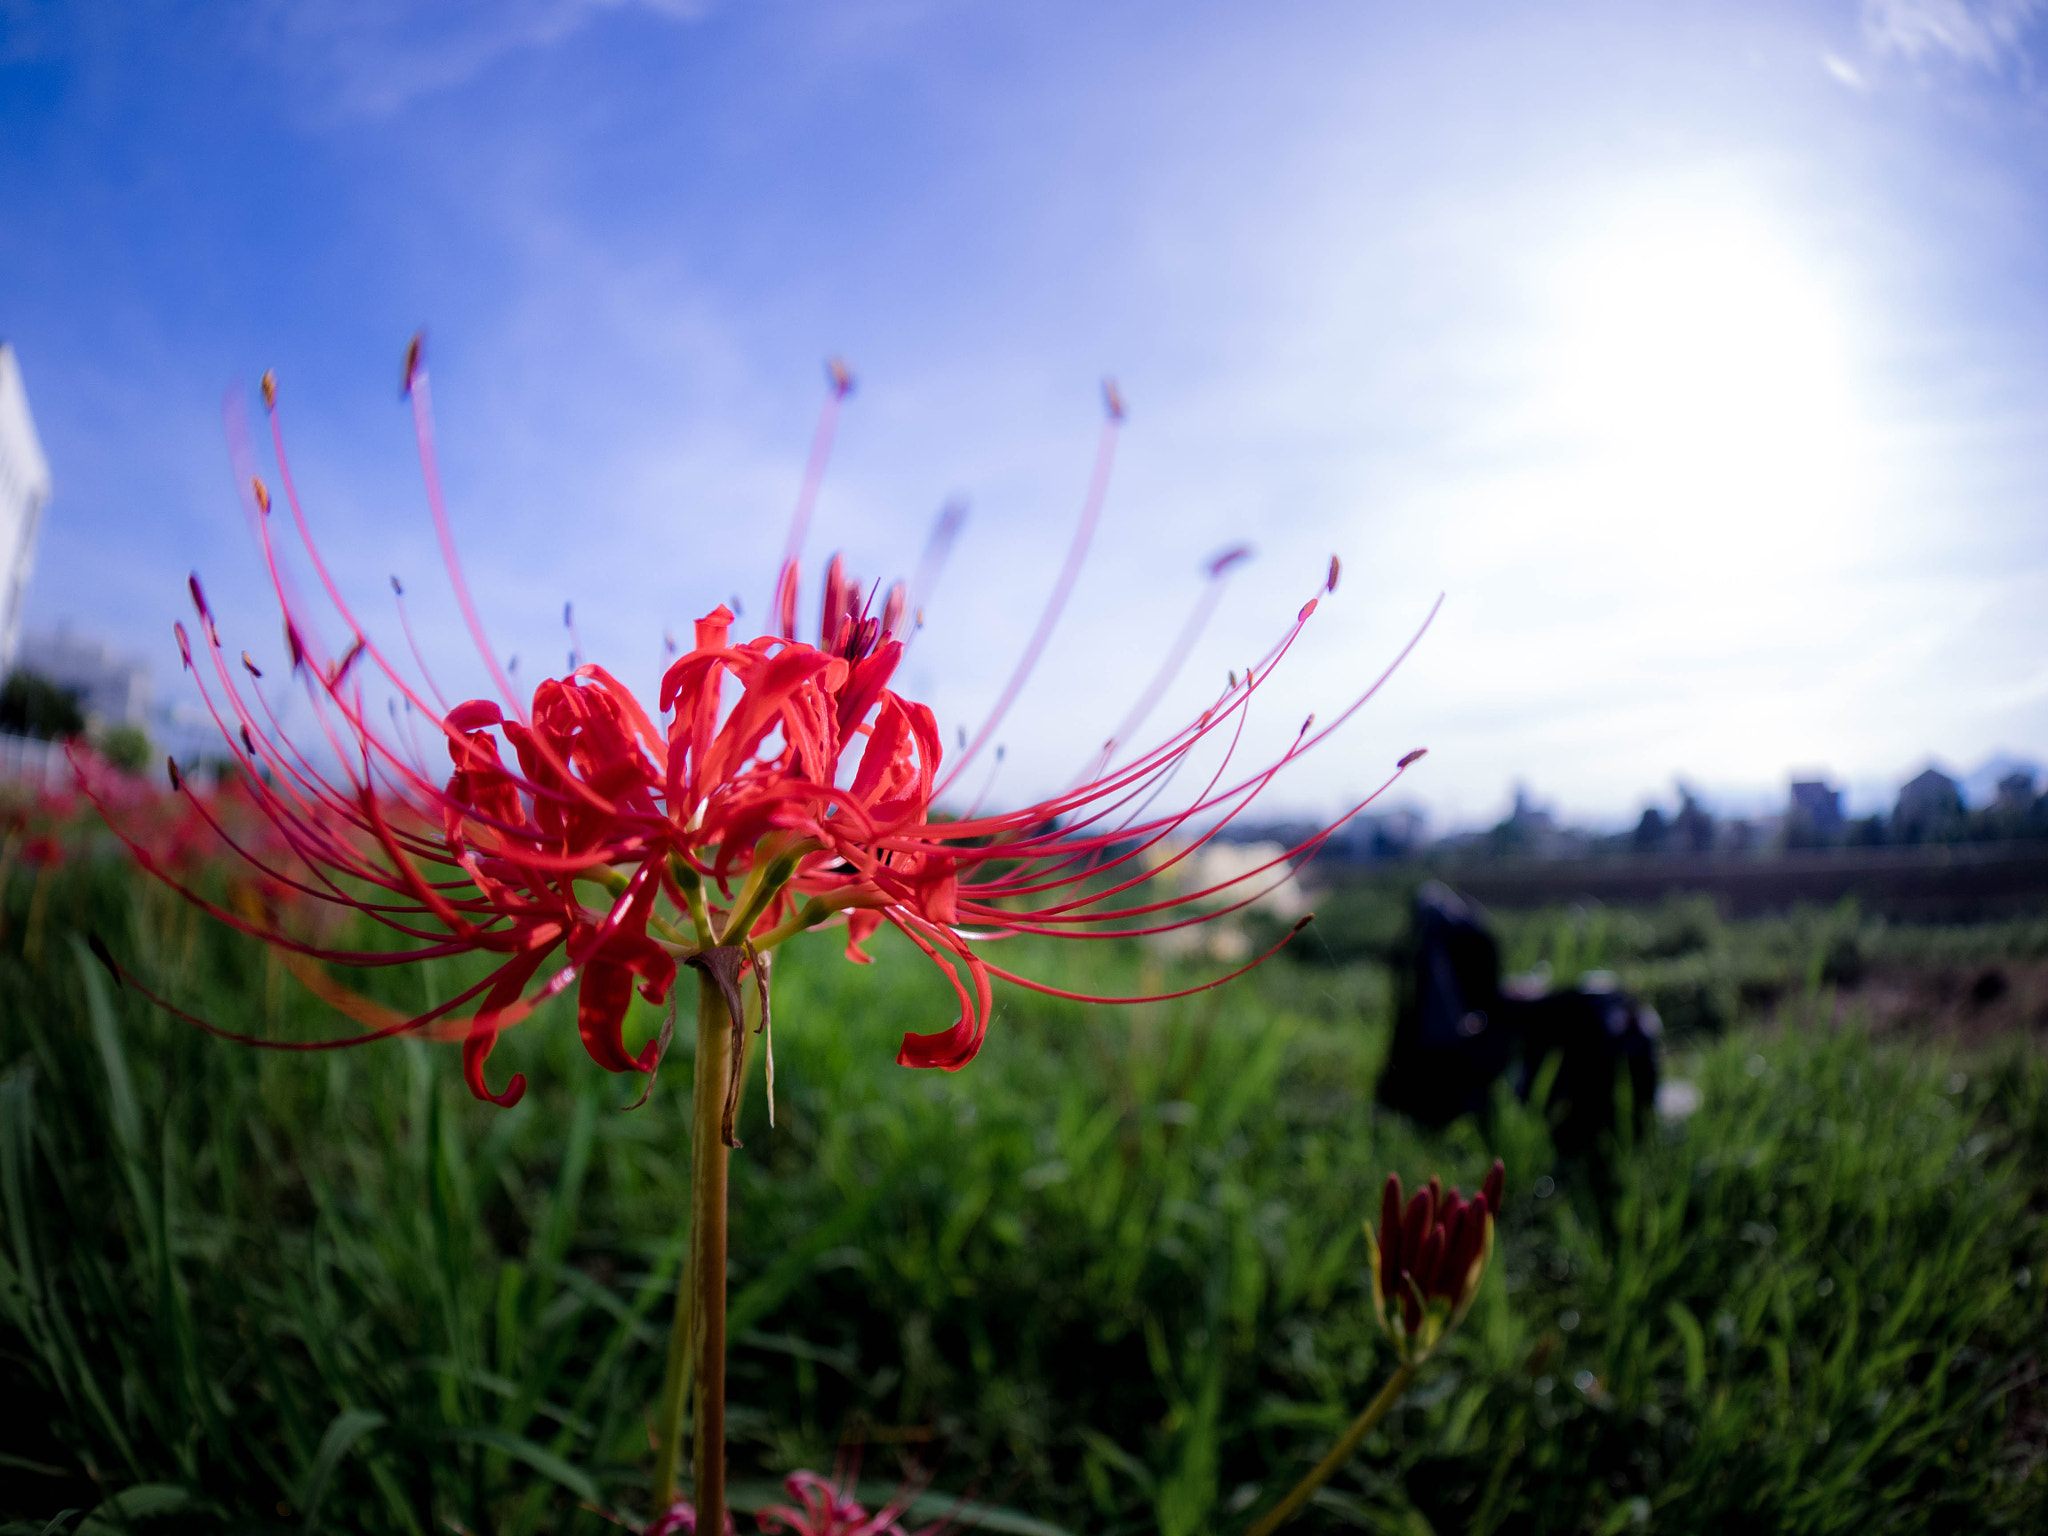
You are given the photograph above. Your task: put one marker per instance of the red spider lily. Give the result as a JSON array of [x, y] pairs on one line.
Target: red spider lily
[[681, 1520], [580, 840], [45, 825], [822, 1506], [1428, 1258], [818, 1506]]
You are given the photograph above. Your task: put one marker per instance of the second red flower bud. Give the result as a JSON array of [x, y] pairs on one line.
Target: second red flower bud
[[1427, 1258]]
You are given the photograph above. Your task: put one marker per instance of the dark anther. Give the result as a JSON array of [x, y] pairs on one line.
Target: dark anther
[[348, 660]]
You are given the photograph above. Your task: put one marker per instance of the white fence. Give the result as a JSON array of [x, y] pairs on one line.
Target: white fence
[[25, 760]]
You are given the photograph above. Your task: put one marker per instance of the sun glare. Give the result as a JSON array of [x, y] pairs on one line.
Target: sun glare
[[1703, 380]]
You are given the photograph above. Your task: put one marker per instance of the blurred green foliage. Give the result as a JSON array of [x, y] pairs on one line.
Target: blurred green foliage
[[1111, 1274], [126, 747]]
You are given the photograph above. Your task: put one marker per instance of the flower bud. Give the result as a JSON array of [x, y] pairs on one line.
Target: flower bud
[[1428, 1257]]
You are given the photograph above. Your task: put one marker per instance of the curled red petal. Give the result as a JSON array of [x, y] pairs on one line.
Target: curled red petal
[[860, 927], [483, 1029]]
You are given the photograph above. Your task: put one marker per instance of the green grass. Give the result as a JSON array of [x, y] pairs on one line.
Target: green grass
[[1109, 1276]]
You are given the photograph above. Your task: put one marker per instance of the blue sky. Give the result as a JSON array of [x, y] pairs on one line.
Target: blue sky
[[1697, 352]]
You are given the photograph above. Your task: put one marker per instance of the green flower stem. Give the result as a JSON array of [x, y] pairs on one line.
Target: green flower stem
[[675, 1381], [709, 1156], [1340, 1453], [696, 1349]]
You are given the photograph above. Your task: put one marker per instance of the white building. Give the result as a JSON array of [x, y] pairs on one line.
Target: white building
[[111, 689], [24, 488]]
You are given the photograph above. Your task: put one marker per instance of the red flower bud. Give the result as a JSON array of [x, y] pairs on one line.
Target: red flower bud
[[1426, 1263], [1443, 1281], [1390, 1235], [1430, 1252], [1415, 1226]]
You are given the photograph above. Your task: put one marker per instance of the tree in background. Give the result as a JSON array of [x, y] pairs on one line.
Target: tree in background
[[32, 705], [126, 747]]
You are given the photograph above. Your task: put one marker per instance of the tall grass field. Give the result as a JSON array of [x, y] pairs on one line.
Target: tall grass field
[[1108, 1279]]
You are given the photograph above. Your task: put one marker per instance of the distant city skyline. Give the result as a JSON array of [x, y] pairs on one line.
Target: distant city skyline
[[1698, 353]]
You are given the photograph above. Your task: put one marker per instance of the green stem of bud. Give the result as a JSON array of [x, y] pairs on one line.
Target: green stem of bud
[[1340, 1453], [767, 878], [809, 915], [692, 886]]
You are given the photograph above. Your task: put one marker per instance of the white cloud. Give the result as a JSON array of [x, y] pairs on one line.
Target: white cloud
[[372, 57], [1845, 72], [1979, 32]]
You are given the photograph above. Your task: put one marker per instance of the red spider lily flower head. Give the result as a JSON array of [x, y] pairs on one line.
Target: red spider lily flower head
[[820, 1506], [32, 831], [681, 1520], [1428, 1259], [44, 825], [781, 783]]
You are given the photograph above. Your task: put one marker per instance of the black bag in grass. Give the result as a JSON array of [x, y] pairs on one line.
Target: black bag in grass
[[1451, 1038], [1604, 1046], [1456, 1031]]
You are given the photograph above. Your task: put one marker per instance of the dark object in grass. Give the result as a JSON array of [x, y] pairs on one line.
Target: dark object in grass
[[1456, 1031], [1600, 1041], [1451, 1034], [1989, 987]]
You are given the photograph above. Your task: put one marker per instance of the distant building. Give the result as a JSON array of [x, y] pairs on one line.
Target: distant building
[[112, 690], [1930, 806], [1814, 815], [1396, 834], [1693, 827], [1652, 831], [24, 489], [2016, 793]]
